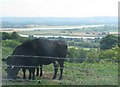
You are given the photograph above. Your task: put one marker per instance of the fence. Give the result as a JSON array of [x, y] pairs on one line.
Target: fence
[[56, 58], [60, 58]]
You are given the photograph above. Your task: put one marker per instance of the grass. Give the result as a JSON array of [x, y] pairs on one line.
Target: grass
[[103, 73]]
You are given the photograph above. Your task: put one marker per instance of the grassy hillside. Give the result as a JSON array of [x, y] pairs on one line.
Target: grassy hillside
[[76, 74], [86, 73]]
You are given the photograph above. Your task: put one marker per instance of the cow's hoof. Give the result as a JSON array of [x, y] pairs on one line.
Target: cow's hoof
[[37, 74], [40, 75], [33, 78], [53, 78], [29, 78], [60, 79]]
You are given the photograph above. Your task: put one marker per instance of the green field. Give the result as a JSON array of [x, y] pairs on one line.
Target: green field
[[87, 73], [75, 74]]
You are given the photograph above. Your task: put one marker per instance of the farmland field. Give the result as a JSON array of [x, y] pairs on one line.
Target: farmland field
[[81, 31]]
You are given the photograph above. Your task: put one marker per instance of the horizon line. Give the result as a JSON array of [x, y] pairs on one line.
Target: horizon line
[[51, 16]]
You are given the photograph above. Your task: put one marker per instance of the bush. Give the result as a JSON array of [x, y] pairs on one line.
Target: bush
[[111, 54], [10, 43], [93, 56], [78, 54], [6, 51], [8, 47], [82, 55], [73, 53]]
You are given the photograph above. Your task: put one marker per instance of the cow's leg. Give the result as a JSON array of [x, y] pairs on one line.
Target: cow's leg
[[61, 68], [41, 71], [29, 73], [24, 75], [33, 73], [55, 70], [37, 73]]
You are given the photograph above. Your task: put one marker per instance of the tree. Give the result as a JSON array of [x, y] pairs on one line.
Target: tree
[[10, 36], [108, 42], [6, 36], [15, 36]]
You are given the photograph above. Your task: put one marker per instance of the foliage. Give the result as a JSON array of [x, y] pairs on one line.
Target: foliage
[[15, 36], [12, 35], [82, 55], [84, 44], [93, 55], [10, 43], [77, 72], [73, 53], [111, 54], [108, 42], [6, 36], [8, 47], [6, 51]]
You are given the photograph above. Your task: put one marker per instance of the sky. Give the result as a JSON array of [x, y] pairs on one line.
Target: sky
[[58, 8]]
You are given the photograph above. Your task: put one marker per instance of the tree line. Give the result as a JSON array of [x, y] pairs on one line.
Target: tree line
[[108, 49]]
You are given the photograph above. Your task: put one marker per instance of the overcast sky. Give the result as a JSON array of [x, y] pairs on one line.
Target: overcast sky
[[58, 8]]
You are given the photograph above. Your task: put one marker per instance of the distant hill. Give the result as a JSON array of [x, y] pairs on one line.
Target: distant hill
[[59, 20]]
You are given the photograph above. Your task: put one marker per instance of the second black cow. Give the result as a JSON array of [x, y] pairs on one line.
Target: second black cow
[[38, 47]]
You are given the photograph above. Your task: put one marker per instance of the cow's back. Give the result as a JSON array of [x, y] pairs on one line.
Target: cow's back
[[39, 47]]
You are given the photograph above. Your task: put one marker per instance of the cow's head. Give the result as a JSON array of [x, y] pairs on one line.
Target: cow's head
[[12, 72]]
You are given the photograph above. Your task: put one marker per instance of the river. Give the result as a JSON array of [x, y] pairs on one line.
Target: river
[[48, 28]]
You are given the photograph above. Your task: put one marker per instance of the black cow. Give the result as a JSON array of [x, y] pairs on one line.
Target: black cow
[[37, 47]]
